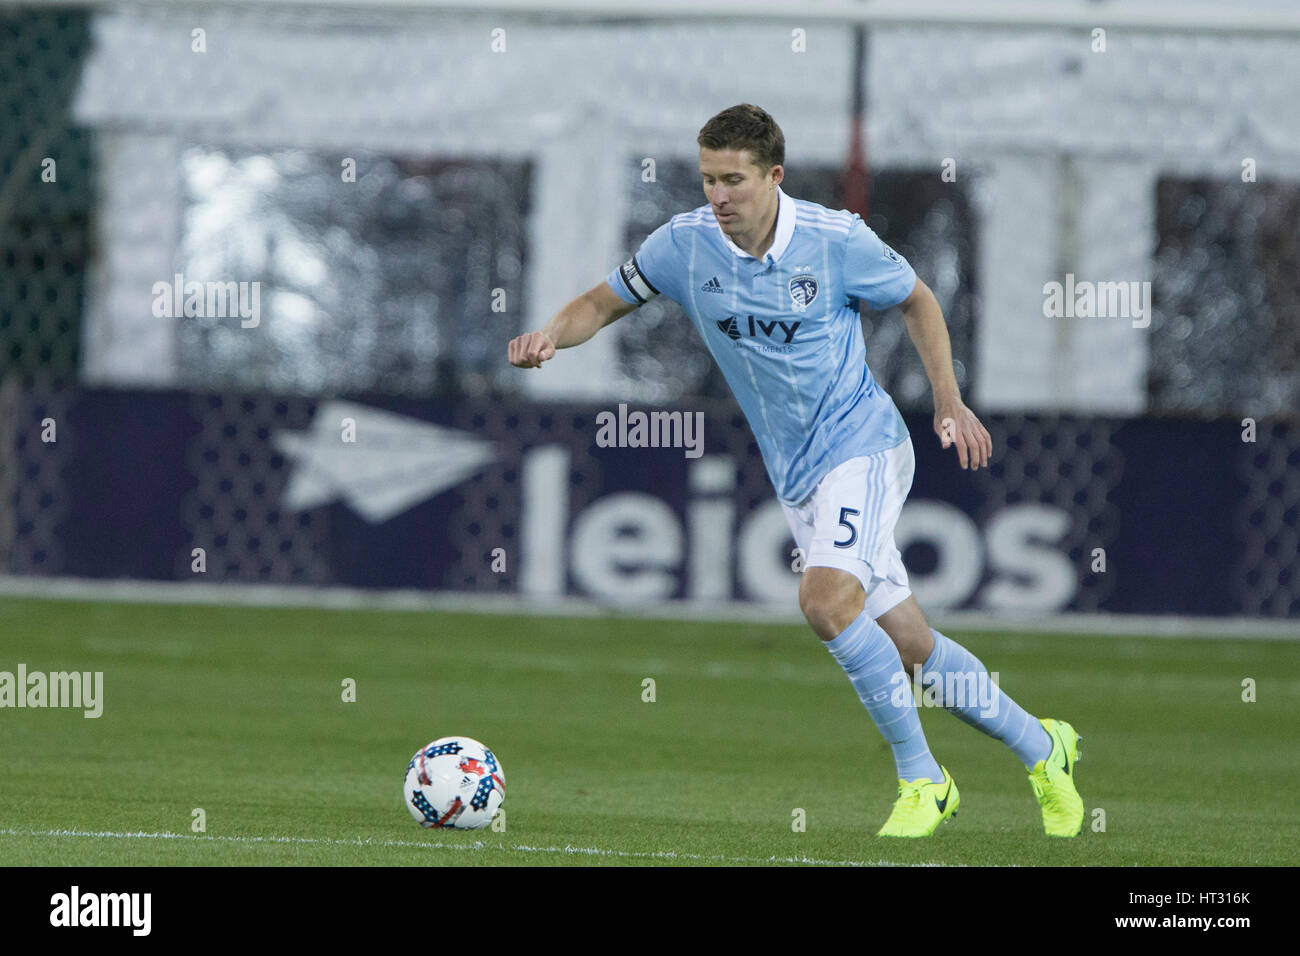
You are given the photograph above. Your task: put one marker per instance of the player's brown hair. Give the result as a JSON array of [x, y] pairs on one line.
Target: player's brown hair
[[746, 127]]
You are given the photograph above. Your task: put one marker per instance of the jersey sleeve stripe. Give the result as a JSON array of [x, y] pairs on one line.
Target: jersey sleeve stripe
[[622, 274], [643, 278], [636, 283]]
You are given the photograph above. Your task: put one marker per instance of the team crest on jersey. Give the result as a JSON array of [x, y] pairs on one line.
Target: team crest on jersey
[[892, 256], [803, 289]]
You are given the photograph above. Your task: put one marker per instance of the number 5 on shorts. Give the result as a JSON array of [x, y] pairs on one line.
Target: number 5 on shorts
[[844, 522]]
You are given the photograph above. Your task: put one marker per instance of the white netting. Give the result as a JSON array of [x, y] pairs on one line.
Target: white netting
[[1072, 159]]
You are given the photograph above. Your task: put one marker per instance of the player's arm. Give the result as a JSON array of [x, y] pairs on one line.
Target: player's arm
[[574, 324], [953, 421]]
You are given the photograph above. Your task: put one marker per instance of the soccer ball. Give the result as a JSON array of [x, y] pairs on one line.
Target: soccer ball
[[454, 783]]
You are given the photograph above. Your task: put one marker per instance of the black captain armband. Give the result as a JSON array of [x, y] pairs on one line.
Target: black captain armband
[[636, 283]]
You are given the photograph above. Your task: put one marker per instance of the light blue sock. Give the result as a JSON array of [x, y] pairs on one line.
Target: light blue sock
[[871, 660], [961, 684]]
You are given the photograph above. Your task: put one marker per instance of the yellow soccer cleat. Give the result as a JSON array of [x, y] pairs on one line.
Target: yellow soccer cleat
[[1053, 781], [921, 806]]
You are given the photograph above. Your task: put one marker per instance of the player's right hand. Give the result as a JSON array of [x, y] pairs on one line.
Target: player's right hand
[[531, 349]]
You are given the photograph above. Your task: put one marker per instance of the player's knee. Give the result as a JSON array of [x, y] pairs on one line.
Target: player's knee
[[816, 614], [829, 608]]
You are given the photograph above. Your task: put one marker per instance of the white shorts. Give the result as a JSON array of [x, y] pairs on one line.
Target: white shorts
[[848, 523]]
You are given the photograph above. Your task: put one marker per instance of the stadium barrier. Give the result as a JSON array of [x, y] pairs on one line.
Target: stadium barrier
[[554, 501]]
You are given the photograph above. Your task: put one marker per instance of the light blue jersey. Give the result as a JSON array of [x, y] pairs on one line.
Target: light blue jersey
[[784, 330]]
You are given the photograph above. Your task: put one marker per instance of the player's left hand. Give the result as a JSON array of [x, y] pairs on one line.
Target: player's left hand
[[955, 424]]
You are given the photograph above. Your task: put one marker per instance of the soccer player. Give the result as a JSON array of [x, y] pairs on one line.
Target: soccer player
[[771, 283]]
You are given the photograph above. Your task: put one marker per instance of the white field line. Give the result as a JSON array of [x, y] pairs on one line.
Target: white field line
[[478, 845], [340, 598]]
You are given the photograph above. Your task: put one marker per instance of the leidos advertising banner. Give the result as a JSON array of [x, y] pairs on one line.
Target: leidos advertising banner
[[631, 504]]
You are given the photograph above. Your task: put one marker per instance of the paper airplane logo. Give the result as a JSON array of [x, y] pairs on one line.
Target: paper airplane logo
[[395, 463]]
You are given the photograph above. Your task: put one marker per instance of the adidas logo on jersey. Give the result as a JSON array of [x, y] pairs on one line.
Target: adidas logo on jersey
[[713, 285]]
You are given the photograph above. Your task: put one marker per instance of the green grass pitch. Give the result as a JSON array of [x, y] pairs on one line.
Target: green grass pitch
[[239, 712]]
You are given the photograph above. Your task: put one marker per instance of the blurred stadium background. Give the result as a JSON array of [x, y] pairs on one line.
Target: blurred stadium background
[[411, 183]]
